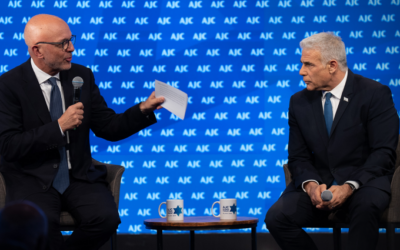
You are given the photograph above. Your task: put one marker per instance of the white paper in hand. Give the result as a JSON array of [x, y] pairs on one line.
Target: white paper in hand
[[175, 99]]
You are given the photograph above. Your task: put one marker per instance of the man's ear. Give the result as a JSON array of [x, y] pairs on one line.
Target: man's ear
[[333, 66], [36, 51]]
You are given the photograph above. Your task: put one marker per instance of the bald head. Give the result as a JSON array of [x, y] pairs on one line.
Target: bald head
[[43, 27], [45, 36]]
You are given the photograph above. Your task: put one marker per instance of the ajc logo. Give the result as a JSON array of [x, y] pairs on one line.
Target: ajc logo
[[128, 4], [217, 4], [16, 4]]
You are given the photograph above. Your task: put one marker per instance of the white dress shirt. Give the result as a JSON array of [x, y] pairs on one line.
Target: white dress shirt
[[336, 96], [43, 78], [335, 100]]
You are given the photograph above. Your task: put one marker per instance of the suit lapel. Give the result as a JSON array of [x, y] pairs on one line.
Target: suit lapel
[[346, 95], [319, 115], [34, 92], [67, 88]]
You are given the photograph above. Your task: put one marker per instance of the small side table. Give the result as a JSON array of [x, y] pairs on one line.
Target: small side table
[[202, 223]]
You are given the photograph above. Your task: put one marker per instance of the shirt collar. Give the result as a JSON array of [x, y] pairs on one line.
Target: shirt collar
[[338, 90], [42, 76]]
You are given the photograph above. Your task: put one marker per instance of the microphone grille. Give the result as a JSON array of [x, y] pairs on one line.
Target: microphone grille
[[77, 82], [326, 195]]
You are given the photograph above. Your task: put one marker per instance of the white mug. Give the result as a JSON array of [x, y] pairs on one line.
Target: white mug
[[174, 210], [227, 209]]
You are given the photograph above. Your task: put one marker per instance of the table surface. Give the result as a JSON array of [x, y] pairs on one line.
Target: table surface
[[200, 221]]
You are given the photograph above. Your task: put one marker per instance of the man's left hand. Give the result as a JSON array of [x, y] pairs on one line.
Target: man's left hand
[[340, 195], [152, 103]]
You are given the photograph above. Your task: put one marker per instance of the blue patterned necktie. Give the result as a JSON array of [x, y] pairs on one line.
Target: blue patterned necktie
[[328, 112], [61, 181]]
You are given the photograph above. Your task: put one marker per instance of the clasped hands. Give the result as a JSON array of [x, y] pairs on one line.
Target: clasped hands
[[340, 195]]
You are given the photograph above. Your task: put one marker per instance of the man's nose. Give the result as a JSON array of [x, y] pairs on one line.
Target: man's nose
[[71, 47], [302, 71]]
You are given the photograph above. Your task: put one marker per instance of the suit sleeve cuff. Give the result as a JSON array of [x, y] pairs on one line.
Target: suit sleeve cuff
[[150, 116], [304, 182], [61, 130], [354, 183]]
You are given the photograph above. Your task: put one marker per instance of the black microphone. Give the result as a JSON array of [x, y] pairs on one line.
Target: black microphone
[[326, 195], [78, 83]]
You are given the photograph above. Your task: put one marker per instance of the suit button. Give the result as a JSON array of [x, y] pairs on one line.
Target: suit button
[[55, 166], [44, 187]]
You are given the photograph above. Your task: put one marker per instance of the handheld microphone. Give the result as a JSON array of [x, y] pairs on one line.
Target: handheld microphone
[[77, 82], [326, 195]]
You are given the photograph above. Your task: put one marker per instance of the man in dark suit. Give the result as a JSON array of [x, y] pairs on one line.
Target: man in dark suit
[[44, 138], [343, 136]]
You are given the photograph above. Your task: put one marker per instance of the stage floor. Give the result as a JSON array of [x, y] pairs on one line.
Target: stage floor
[[235, 241]]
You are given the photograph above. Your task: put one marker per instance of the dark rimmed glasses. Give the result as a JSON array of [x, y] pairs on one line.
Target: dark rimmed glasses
[[64, 43]]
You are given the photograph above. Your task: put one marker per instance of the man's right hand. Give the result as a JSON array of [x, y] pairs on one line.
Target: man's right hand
[[72, 117], [314, 191]]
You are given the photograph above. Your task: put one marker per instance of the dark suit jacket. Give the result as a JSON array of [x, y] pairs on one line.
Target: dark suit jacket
[[363, 139], [29, 138]]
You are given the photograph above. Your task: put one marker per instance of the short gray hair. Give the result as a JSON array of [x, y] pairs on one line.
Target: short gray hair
[[329, 45]]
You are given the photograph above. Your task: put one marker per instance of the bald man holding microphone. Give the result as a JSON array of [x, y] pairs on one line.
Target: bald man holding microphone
[[44, 136]]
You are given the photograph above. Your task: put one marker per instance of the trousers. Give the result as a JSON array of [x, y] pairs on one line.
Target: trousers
[[294, 210], [90, 204]]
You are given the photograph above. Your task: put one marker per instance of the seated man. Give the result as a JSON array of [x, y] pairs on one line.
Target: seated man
[[343, 136], [44, 137], [23, 225]]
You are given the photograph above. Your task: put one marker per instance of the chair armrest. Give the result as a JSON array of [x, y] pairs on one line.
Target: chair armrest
[[288, 175], [393, 211], [114, 175], [2, 192]]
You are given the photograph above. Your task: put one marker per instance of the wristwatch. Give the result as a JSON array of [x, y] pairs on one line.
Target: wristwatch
[[353, 188]]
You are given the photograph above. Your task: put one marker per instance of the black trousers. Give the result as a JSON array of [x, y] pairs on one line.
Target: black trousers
[[91, 204], [294, 210]]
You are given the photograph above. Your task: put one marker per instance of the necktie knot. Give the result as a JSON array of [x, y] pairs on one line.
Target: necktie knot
[[53, 81], [328, 96]]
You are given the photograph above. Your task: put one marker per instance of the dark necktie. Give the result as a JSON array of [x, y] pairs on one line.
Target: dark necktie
[[61, 181], [328, 112]]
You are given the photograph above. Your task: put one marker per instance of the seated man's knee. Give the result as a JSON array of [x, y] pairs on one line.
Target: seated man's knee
[[273, 217], [109, 219], [372, 205], [366, 208], [113, 220]]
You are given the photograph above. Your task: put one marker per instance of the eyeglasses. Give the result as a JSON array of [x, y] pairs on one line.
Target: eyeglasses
[[64, 43]]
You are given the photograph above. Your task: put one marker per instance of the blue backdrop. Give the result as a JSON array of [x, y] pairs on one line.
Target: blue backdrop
[[237, 60]]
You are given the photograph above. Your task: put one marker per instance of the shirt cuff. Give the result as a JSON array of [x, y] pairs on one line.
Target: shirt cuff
[[61, 130], [354, 183], [302, 185]]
